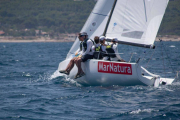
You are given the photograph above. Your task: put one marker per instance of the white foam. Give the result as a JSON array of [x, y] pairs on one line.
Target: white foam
[[172, 46], [55, 75], [140, 111], [28, 75], [71, 81], [67, 79]]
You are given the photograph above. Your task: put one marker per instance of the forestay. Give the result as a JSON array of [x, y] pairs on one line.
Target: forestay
[[136, 22], [95, 23]]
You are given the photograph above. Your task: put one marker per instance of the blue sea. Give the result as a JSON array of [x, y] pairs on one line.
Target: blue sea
[[32, 89]]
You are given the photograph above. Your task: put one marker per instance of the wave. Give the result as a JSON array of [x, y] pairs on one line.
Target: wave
[[172, 46], [142, 111]]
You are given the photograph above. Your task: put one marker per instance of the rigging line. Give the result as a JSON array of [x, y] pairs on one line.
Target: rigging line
[[145, 10], [131, 57], [144, 55], [151, 57], [132, 53]]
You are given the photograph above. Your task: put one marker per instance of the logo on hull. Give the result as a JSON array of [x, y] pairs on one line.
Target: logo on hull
[[115, 68]]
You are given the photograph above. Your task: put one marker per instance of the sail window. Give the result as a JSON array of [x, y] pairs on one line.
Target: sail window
[[133, 34]]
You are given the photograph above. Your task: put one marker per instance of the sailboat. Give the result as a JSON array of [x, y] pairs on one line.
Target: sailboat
[[132, 22]]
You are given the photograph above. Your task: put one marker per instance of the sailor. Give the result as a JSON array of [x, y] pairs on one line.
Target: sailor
[[72, 62], [112, 51], [103, 47], [97, 49], [87, 53]]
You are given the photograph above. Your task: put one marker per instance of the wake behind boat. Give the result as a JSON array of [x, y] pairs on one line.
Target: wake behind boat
[[133, 22]]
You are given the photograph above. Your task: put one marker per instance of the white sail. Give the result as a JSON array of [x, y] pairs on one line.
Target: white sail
[[95, 23], [136, 21]]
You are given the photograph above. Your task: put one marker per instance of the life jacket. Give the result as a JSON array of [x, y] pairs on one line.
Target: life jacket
[[98, 52], [81, 46], [97, 49], [84, 43], [110, 51]]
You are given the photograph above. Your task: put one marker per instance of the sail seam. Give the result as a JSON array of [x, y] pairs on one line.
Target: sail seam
[[145, 10], [99, 14]]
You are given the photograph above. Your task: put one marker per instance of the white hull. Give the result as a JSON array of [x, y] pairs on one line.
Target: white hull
[[100, 72]]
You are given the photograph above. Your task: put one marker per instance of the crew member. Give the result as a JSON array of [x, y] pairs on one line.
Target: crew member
[[87, 53], [77, 54], [97, 49], [112, 51]]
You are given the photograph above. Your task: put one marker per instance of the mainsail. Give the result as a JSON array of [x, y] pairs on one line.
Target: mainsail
[[95, 23], [136, 22]]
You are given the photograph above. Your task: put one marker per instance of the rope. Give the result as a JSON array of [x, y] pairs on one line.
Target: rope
[[151, 56]]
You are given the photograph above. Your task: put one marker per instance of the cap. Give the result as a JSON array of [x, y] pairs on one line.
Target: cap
[[115, 39], [83, 33], [102, 38]]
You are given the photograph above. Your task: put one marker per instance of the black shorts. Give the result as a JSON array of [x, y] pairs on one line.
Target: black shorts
[[84, 58]]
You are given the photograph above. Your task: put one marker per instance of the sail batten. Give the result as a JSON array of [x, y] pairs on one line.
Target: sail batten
[[99, 14]]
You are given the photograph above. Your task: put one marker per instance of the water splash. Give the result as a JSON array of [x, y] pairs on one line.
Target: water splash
[[71, 81], [56, 74]]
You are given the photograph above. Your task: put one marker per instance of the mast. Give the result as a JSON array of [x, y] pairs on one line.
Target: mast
[[105, 30]]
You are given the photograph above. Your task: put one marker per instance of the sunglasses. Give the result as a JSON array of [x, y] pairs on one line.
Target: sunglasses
[[80, 36]]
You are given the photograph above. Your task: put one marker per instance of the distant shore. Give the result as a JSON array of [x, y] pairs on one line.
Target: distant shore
[[168, 38], [32, 39], [26, 41], [44, 39]]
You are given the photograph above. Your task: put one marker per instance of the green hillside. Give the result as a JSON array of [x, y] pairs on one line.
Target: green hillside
[[171, 21], [55, 16], [23, 17]]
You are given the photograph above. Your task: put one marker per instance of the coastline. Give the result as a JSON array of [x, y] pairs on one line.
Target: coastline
[[29, 41], [32, 39], [44, 39]]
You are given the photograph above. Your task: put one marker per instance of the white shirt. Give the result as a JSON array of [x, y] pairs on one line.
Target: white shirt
[[115, 48], [103, 48], [88, 50]]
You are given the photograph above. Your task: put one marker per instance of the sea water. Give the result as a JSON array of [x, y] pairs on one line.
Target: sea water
[[31, 88]]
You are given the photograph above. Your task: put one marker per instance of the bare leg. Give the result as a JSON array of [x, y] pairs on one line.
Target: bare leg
[[78, 64], [70, 65]]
